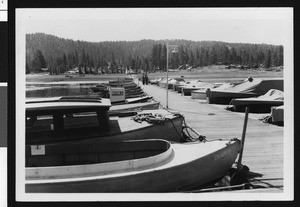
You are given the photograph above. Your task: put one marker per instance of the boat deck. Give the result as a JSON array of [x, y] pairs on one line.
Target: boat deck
[[263, 148]]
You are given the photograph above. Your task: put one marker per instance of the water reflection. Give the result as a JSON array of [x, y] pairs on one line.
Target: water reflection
[[46, 90]]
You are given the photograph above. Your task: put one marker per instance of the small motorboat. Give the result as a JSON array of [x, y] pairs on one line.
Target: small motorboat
[[260, 104], [187, 89], [69, 119], [201, 93], [171, 82], [190, 83], [249, 88], [128, 166], [163, 83]]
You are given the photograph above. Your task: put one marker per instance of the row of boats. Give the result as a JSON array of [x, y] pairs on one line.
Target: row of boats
[[97, 144], [259, 95]]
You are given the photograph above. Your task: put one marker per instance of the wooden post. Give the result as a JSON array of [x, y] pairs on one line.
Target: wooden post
[[243, 137]]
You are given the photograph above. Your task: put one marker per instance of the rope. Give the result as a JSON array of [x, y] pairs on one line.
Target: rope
[[150, 118], [188, 137], [266, 119], [227, 108]]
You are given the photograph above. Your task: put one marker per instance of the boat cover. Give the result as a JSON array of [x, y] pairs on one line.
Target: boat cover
[[257, 86], [272, 96]]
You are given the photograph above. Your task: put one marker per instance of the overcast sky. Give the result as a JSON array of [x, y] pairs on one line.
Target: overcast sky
[[245, 25]]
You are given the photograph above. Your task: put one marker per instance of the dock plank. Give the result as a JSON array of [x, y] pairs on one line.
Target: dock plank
[[263, 149]]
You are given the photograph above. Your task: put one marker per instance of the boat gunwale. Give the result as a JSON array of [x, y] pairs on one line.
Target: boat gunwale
[[129, 175], [51, 172]]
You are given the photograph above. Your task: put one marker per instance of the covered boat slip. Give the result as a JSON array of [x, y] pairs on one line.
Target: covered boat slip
[[85, 127], [163, 170], [260, 104], [263, 149], [249, 88]]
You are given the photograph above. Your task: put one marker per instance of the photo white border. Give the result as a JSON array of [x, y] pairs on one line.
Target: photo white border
[[22, 15]]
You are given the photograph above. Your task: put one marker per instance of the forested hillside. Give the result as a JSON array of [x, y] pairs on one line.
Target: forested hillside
[[59, 55]]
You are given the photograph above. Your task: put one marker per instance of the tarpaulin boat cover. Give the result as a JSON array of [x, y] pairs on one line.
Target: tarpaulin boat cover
[[271, 95], [257, 85]]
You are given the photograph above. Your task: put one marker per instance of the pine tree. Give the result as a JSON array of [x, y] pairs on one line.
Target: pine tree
[[38, 61], [268, 59], [163, 58], [65, 63]]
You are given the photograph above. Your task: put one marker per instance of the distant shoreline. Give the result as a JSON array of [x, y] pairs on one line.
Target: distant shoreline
[[208, 74]]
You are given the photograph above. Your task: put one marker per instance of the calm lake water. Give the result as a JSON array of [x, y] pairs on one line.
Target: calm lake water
[[52, 90]]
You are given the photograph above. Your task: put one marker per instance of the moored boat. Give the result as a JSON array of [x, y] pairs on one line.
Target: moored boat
[[66, 120], [133, 107], [163, 83], [188, 89], [118, 91], [190, 83], [174, 81], [201, 93], [249, 88], [130, 166], [260, 104]]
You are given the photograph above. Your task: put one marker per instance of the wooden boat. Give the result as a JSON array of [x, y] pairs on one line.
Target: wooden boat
[[201, 93], [118, 91], [249, 88], [130, 166], [67, 120], [260, 104]]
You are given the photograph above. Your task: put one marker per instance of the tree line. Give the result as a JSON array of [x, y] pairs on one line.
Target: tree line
[[59, 55]]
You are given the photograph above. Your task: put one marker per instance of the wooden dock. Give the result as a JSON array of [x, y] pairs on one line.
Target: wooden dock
[[263, 149]]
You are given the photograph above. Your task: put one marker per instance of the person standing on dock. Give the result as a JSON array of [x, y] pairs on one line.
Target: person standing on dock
[[143, 79], [146, 79]]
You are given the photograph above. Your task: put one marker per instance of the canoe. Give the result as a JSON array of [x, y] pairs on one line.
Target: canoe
[[249, 88], [130, 166], [92, 122], [260, 104]]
